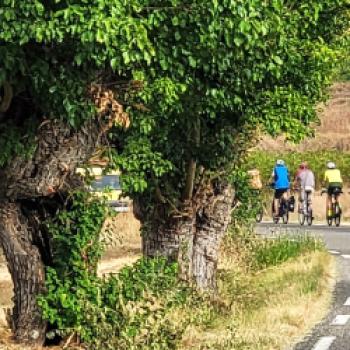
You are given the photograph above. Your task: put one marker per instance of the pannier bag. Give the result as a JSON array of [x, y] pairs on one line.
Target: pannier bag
[[291, 204], [254, 179]]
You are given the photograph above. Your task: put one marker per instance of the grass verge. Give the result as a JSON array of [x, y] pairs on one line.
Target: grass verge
[[270, 294]]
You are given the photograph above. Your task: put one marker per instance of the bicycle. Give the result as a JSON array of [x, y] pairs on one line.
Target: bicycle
[[335, 207], [283, 211], [259, 214], [305, 210]]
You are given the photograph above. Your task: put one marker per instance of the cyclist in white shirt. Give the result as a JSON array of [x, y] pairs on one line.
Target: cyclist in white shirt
[[305, 182]]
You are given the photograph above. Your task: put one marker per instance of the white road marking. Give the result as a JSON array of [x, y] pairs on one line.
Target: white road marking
[[324, 343], [346, 256], [340, 320], [334, 252], [347, 303]]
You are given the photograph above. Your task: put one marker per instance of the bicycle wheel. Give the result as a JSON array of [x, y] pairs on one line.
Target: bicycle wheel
[[285, 212], [275, 219], [309, 213], [259, 215], [337, 215], [310, 217], [301, 217], [329, 218]]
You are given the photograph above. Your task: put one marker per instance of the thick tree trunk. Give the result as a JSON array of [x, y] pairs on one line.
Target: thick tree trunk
[[193, 239], [28, 181], [49, 170], [27, 271]]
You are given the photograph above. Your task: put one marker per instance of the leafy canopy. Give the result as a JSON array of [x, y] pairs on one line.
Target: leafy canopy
[[221, 69], [209, 72]]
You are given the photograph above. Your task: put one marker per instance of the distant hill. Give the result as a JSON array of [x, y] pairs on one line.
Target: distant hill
[[332, 133]]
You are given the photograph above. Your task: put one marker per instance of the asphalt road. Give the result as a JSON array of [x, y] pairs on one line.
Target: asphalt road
[[333, 333]]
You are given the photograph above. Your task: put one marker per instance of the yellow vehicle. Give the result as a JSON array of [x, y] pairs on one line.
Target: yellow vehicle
[[107, 185]]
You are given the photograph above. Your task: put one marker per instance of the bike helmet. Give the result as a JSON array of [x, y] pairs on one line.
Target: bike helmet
[[331, 165], [279, 162]]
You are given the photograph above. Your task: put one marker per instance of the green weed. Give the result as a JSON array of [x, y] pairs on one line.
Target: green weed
[[271, 252]]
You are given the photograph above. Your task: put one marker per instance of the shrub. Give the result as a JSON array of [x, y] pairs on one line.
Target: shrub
[[129, 310], [248, 201]]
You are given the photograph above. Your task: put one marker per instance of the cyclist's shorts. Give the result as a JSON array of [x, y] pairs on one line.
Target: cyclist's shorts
[[279, 192], [309, 189], [334, 187], [305, 193]]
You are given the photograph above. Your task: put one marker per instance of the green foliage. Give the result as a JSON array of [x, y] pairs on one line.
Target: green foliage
[[273, 252], [248, 200], [129, 310], [343, 72], [72, 280], [265, 161], [220, 69], [16, 141], [258, 253]]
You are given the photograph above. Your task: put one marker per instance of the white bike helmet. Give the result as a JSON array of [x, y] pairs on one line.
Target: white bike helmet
[[331, 165], [279, 162]]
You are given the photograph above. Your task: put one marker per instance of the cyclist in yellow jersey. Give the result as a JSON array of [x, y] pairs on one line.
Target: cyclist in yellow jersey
[[333, 181]]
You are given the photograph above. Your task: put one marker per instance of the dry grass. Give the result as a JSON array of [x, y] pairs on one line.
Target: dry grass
[[302, 301], [271, 309]]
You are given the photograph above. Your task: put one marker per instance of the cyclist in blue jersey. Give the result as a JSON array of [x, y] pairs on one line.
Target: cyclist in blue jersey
[[280, 179]]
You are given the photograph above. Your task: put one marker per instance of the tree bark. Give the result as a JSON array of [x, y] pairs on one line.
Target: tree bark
[[27, 182], [27, 271], [193, 238], [59, 151]]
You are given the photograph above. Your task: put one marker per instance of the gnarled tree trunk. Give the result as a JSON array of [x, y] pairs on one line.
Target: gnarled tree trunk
[[193, 238], [27, 271], [47, 172], [27, 183]]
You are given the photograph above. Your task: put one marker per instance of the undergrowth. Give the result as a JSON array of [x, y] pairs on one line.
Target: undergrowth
[[129, 310], [254, 253], [145, 306], [271, 252]]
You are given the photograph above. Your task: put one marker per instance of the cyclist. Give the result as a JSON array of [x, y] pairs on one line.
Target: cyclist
[[280, 179], [334, 182], [304, 181]]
